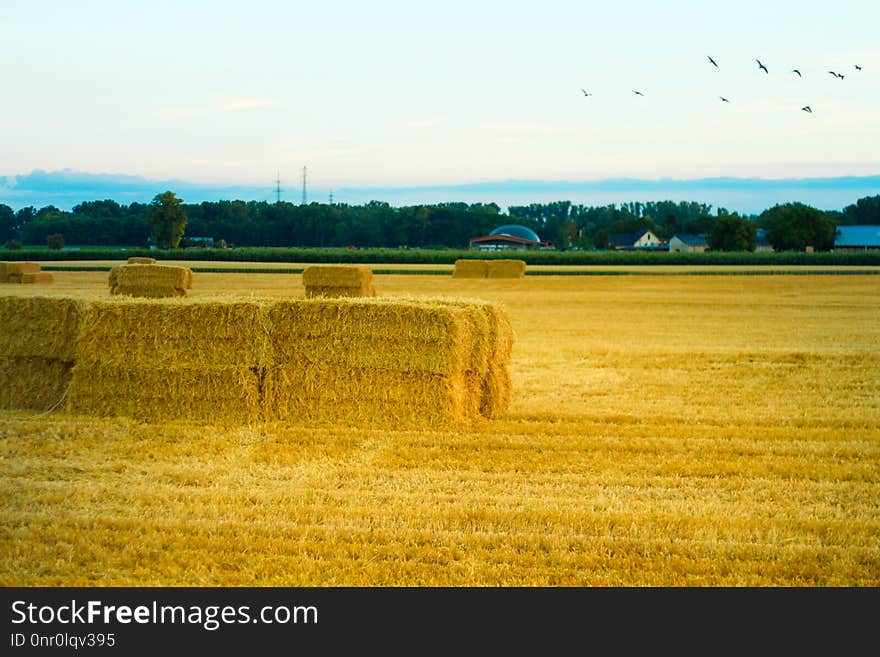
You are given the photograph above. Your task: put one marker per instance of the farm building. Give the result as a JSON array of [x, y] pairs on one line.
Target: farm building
[[688, 242], [643, 239], [508, 237], [857, 238]]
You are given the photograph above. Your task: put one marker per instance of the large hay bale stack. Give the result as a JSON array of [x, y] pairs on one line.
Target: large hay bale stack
[[23, 272], [150, 280], [171, 359], [37, 349], [377, 361], [338, 281], [506, 269], [469, 268]]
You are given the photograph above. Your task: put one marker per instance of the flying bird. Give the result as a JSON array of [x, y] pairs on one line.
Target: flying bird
[[638, 93], [713, 61], [837, 75], [724, 99], [585, 92], [858, 68], [794, 70], [807, 108], [761, 66]]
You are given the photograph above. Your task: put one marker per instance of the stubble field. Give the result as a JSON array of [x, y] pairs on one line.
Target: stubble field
[[664, 431]]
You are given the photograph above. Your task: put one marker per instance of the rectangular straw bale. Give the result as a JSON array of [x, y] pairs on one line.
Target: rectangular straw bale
[[39, 277], [3, 271], [15, 268], [178, 332], [364, 396], [30, 383], [141, 260], [358, 276], [152, 276], [469, 268], [372, 333], [494, 383], [506, 269], [40, 326], [157, 394]]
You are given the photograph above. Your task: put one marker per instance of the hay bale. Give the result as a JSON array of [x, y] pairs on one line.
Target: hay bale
[[40, 326], [141, 260], [338, 281], [38, 278], [3, 269], [151, 281], [30, 383], [18, 268], [168, 359], [364, 395], [155, 333], [370, 333], [158, 394], [506, 269], [404, 360], [337, 276], [469, 268], [491, 356]]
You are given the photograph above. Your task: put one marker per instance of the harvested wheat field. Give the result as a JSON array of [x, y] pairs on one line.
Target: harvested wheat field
[[662, 431]]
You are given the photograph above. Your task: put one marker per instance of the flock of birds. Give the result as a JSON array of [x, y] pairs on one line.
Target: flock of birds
[[761, 67]]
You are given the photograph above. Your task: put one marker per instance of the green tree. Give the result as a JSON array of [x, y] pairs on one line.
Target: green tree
[[8, 225], [168, 220], [55, 241], [731, 232], [795, 226], [864, 212]]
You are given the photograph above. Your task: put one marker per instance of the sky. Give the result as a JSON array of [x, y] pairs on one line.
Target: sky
[[406, 93]]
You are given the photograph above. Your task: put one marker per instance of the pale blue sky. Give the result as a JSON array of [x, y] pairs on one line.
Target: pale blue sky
[[405, 93]]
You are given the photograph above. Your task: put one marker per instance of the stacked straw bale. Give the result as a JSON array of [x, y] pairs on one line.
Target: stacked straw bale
[[338, 281], [467, 268], [398, 361], [389, 361], [141, 260], [24, 272], [150, 280], [171, 359], [37, 349]]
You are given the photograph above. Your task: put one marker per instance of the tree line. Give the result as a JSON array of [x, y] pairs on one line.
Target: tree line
[[169, 221]]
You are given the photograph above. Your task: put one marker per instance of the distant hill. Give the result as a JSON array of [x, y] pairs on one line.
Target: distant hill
[[68, 187]]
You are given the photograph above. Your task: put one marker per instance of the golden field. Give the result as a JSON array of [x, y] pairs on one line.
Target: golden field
[[664, 431]]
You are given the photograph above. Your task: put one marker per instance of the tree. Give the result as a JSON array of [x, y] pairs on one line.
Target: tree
[[55, 241], [864, 212], [731, 232], [168, 220], [795, 226]]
